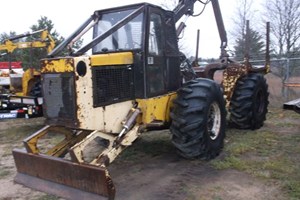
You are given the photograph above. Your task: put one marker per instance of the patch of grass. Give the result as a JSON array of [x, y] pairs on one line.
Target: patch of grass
[[284, 124], [217, 198], [6, 151], [4, 173], [242, 142], [240, 148], [17, 133], [47, 197], [272, 152], [149, 144], [229, 162], [292, 114], [280, 167], [293, 187]]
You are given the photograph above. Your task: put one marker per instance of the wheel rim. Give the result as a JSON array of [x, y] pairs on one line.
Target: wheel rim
[[214, 121]]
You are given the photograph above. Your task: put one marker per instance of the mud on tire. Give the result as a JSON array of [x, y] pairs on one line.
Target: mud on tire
[[249, 103], [199, 119]]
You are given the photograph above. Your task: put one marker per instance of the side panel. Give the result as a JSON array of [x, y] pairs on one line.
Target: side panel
[[69, 91], [112, 59], [59, 96], [156, 109], [105, 118]]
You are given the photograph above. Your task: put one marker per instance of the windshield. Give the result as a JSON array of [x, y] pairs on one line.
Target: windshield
[[127, 37]]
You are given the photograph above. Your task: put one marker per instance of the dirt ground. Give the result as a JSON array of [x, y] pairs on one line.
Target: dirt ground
[[169, 177], [149, 170]]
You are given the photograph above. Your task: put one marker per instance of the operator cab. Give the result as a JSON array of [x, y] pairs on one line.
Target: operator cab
[[149, 33]]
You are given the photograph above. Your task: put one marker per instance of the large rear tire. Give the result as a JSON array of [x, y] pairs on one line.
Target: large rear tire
[[249, 103], [199, 119]]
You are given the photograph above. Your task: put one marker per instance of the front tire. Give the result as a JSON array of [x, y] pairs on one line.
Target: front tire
[[249, 102], [199, 119]]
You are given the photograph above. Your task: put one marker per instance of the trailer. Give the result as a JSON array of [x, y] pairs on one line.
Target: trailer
[[13, 106], [292, 105]]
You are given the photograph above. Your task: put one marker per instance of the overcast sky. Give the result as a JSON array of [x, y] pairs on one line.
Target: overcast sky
[[68, 15]]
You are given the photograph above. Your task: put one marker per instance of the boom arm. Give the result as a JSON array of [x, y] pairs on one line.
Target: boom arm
[[45, 41], [220, 24], [186, 7]]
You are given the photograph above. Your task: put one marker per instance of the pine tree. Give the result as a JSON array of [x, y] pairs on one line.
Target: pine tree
[[256, 46]]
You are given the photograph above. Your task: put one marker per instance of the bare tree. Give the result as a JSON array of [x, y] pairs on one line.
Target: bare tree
[[285, 25], [242, 14]]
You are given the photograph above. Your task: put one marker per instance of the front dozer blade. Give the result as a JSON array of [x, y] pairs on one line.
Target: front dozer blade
[[61, 177]]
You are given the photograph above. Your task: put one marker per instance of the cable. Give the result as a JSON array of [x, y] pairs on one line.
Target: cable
[[204, 3], [207, 1]]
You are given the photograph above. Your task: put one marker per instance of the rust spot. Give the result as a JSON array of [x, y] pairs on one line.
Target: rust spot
[[57, 65], [209, 70], [230, 76]]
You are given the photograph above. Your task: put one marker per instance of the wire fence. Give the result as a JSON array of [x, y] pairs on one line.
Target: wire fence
[[283, 80]]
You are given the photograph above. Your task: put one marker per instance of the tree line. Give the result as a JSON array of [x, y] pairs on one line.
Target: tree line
[[30, 57], [284, 18]]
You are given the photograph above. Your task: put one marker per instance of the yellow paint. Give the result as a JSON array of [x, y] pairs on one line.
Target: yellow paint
[[112, 59], [67, 64], [58, 65], [157, 108], [28, 80], [45, 40]]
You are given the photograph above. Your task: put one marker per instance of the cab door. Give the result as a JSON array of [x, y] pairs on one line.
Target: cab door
[[155, 56]]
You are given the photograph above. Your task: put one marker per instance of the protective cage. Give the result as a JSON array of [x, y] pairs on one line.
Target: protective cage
[[59, 95]]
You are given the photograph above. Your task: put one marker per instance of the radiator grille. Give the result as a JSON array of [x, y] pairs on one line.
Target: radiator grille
[[59, 95], [112, 84]]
